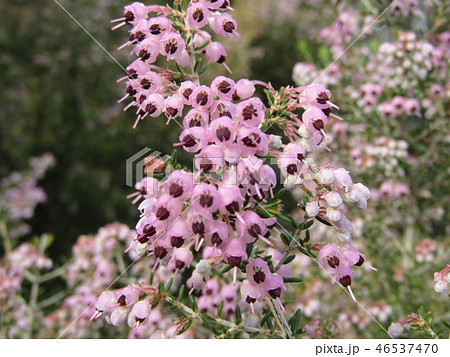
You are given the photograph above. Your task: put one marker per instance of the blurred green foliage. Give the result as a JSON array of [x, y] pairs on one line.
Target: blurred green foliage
[[58, 95]]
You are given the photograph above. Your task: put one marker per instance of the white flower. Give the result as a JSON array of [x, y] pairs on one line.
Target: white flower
[[312, 209]]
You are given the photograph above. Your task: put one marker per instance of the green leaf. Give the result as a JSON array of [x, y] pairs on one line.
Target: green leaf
[[238, 315], [270, 97], [445, 323], [201, 46], [169, 284], [292, 221], [295, 321], [173, 158], [304, 251], [273, 203], [208, 319], [219, 309], [179, 68], [324, 55], [292, 280], [263, 213], [184, 4], [321, 220], [267, 316], [181, 292], [289, 259], [198, 65], [306, 225], [228, 268], [185, 327], [152, 276], [284, 218], [203, 68], [249, 248], [286, 239], [307, 237], [279, 193]]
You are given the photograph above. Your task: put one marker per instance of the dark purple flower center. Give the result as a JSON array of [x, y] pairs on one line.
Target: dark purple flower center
[[171, 46], [234, 261], [223, 133], [176, 190], [206, 200], [259, 277], [291, 169], [122, 300], [254, 230], [155, 29], [248, 112], [275, 293], [162, 213], [202, 98], [318, 124], [252, 140], [360, 261], [160, 252], [216, 240], [198, 15], [345, 280], [333, 261], [189, 141], [198, 228], [176, 242], [233, 207], [228, 26], [224, 87]]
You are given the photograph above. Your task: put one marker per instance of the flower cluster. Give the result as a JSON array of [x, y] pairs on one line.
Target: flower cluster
[[402, 64], [399, 106], [334, 187], [225, 213], [97, 261], [425, 250], [20, 194], [341, 31], [338, 262], [384, 153]]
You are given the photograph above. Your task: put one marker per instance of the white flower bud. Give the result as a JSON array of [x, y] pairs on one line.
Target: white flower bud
[[365, 192], [312, 209], [333, 215], [203, 267], [292, 181], [119, 316], [395, 330], [342, 178], [326, 177], [304, 133], [361, 204], [275, 141], [440, 286], [353, 196], [344, 236], [334, 199]]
